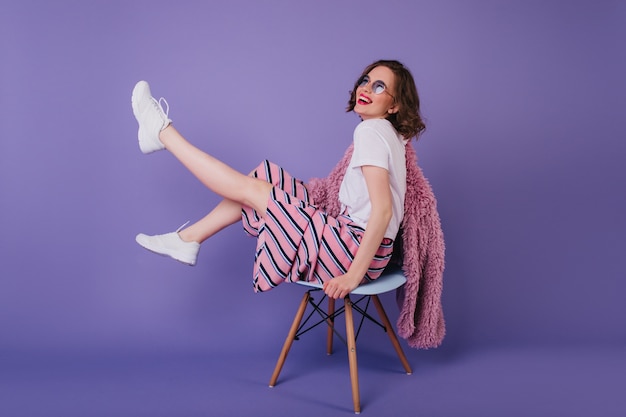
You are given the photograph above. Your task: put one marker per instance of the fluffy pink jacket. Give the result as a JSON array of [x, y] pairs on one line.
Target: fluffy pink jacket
[[421, 320]]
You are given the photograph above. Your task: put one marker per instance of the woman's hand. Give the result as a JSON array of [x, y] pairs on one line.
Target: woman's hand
[[341, 286], [377, 180]]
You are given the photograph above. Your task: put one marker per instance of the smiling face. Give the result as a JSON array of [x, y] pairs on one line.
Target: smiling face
[[370, 105]]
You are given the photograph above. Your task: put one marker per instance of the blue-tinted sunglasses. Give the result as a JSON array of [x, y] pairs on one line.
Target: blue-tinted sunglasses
[[378, 86]]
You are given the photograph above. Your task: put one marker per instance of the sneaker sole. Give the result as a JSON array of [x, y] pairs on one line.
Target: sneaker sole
[[141, 91]]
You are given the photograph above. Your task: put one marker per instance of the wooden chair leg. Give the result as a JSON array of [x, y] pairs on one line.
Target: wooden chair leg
[[331, 326], [290, 338], [354, 373], [392, 334]]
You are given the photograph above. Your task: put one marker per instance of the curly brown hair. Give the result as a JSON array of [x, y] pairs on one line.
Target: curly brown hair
[[408, 120]]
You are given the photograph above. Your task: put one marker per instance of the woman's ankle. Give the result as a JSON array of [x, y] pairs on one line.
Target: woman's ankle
[[186, 236]]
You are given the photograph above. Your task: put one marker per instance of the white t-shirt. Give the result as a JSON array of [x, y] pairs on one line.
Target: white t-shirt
[[377, 143]]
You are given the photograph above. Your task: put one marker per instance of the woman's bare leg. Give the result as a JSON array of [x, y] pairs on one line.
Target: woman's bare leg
[[227, 212], [156, 133], [216, 175]]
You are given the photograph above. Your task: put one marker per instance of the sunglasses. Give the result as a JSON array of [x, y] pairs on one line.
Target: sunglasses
[[378, 87]]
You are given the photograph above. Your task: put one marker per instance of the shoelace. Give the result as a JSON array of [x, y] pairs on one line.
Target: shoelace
[[160, 107], [187, 222]]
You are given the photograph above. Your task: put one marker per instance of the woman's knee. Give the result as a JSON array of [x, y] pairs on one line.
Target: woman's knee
[[257, 195]]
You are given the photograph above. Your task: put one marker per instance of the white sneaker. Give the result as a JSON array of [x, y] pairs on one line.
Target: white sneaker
[[170, 244], [150, 116]]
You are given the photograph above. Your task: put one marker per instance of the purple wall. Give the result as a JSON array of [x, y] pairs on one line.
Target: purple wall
[[525, 150]]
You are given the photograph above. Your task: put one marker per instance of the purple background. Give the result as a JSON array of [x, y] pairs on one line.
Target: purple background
[[525, 149]]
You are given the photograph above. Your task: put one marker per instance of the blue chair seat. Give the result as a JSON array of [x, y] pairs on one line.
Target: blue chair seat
[[388, 281]]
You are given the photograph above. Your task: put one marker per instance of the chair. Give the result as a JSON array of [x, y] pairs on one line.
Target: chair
[[388, 281]]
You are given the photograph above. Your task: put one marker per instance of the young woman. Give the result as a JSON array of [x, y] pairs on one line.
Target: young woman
[[295, 239]]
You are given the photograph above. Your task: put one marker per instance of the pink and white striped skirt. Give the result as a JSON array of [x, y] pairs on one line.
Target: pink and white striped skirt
[[298, 241]]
